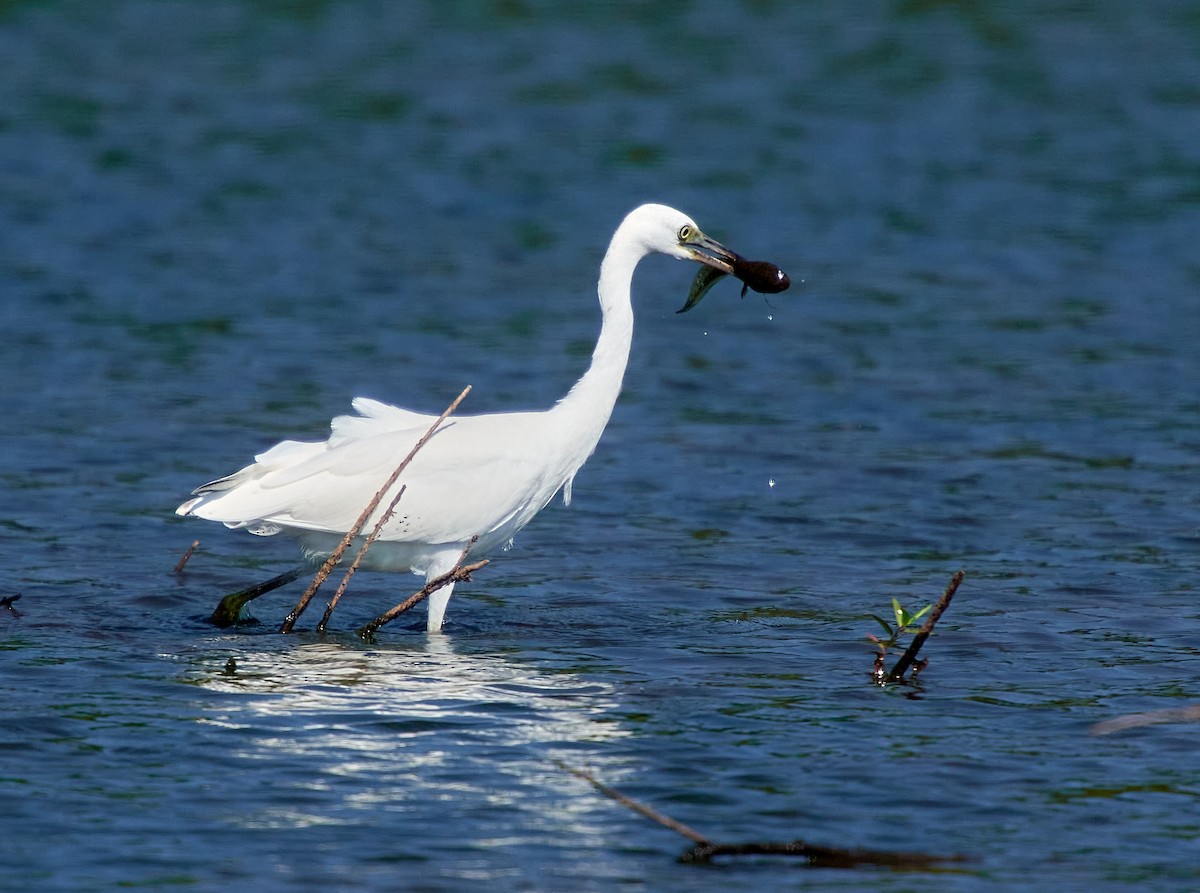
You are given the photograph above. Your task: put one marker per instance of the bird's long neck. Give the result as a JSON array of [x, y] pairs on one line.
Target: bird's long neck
[[590, 402]]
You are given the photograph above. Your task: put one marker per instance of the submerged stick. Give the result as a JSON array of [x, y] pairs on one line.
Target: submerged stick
[[336, 556], [705, 849], [640, 808], [457, 574], [910, 655], [817, 856]]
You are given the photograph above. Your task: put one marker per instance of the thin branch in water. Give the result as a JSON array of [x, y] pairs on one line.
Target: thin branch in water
[[336, 556], [817, 856], [383, 519], [910, 655], [191, 550], [640, 808], [704, 849], [457, 574]]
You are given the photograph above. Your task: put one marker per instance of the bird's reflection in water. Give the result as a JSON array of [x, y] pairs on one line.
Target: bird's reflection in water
[[341, 734]]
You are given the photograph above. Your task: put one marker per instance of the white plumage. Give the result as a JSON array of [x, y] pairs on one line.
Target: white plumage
[[479, 475]]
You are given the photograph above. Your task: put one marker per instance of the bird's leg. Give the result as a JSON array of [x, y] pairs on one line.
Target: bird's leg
[[437, 607], [230, 607]]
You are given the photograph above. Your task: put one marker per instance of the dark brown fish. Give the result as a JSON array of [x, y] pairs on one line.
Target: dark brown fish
[[763, 277]]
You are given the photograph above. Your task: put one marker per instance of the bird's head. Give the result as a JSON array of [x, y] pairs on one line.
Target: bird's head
[[665, 230]]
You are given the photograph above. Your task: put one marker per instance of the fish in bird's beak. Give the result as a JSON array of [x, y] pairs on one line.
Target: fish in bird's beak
[[705, 279], [718, 261]]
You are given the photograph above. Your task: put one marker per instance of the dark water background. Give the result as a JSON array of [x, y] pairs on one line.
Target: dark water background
[[219, 221]]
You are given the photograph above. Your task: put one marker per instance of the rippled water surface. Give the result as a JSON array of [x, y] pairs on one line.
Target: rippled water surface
[[222, 220]]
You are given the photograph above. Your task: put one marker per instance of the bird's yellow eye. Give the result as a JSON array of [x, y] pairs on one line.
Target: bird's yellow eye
[[686, 232]]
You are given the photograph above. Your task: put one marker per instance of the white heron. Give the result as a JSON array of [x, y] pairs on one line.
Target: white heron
[[479, 475]]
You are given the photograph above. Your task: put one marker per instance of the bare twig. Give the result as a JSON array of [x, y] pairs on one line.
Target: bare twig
[[640, 808], [704, 849], [906, 660], [383, 519], [191, 550], [817, 856], [336, 556], [460, 573]]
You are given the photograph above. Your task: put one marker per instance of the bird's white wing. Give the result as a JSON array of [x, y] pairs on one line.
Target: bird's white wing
[[476, 475], [375, 417]]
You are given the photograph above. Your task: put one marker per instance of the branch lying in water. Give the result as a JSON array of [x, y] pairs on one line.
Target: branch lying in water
[[705, 849]]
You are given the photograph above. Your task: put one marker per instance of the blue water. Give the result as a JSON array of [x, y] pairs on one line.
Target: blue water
[[219, 221]]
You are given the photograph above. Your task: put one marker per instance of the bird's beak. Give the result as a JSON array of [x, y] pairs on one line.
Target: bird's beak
[[710, 252], [717, 260]]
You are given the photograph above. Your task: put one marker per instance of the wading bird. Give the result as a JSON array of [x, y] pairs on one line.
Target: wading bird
[[479, 475]]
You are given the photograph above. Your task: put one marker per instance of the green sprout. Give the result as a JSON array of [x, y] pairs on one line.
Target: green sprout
[[904, 623]]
